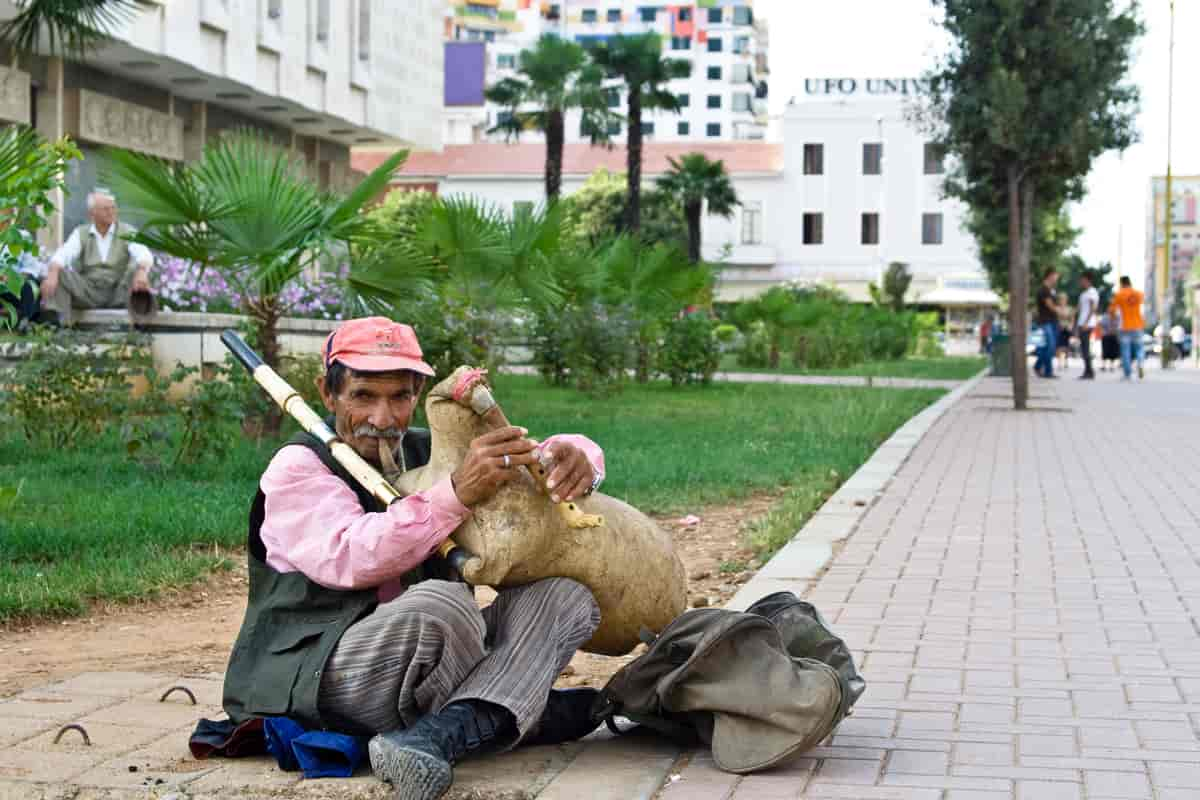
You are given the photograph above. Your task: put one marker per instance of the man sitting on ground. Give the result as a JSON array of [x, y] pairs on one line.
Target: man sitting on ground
[[347, 628], [107, 268]]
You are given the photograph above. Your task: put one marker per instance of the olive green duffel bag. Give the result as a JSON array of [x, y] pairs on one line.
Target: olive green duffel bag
[[759, 686]]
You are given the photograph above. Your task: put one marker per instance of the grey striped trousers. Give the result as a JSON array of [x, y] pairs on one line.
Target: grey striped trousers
[[432, 645]]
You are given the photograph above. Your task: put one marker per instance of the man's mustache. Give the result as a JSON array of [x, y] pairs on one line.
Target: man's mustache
[[369, 430]]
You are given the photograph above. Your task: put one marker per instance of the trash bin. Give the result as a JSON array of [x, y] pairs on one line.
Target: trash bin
[[1001, 355]]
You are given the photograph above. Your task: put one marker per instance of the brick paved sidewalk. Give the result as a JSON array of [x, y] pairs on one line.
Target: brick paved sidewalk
[[1024, 599]]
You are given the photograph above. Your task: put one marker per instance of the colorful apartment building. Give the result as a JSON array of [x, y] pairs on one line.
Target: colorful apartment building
[[724, 98]]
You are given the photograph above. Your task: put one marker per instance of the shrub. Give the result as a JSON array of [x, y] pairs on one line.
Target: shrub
[[756, 346], [67, 386], [689, 352], [587, 347]]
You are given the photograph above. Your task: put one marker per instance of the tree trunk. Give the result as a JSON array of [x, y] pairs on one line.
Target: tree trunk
[[691, 212], [266, 319], [554, 154], [633, 163], [1018, 292]]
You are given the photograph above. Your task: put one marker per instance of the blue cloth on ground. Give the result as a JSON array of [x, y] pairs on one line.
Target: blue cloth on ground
[[320, 754]]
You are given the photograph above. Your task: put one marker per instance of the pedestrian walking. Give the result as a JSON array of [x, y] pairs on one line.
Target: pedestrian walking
[[1089, 302], [985, 336], [1129, 302], [1110, 346], [1047, 323], [1066, 323]]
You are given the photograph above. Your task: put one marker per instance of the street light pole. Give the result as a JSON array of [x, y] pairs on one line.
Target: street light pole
[[1164, 317]]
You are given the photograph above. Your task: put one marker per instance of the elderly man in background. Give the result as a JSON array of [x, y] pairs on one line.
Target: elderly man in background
[[97, 267]]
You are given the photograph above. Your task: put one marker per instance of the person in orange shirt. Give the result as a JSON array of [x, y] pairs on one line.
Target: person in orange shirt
[[1129, 301]]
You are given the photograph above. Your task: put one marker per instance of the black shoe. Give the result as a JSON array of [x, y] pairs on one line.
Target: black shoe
[[568, 716], [418, 760]]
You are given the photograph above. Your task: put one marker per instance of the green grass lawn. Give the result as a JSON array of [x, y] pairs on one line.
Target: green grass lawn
[[91, 524], [952, 368]]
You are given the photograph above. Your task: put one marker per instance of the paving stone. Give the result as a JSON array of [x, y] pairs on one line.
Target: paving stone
[[1121, 785], [110, 684]]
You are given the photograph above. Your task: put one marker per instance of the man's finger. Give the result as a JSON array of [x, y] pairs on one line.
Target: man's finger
[[513, 447], [500, 435]]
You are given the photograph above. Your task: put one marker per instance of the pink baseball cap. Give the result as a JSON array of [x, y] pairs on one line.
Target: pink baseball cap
[[375, 344]]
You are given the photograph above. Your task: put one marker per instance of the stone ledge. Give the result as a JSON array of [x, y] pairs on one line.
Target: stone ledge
[[196, 321]]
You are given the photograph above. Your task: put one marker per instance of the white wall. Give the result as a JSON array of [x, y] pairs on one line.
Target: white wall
[[901, 195]]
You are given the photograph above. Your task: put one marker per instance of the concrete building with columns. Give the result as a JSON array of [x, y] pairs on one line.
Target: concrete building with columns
[[317, 76]]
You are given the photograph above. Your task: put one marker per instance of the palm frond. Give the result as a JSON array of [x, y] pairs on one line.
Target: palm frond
[[72, 27]]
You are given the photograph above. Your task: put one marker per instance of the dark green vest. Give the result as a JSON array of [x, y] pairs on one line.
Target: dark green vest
[[292, 624]]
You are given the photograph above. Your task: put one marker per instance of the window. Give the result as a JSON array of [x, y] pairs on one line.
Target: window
[[933, 159], [743, 15], [714, 73], [713, 129], [870, 228], [741, 101], [506, 61], [684, 100], [741, 73], [322, 20], [714, 16], [587, 128], [613, 15], [741, 44], [714, 101], [681, 43], [489, 36], [752, 222], [931, 229], [647, 129], [364, 30], [814, 232], [553, 12], [714, 44], [685, 15], [589, 15], [274, 9], [613, 96], [504, 117], [684, 128], [647, 13], [814, 159], [872, 158]]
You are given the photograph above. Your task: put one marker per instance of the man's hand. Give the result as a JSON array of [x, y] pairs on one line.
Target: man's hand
[[484, 470], [571, 474], [141, 281], [50, 285]]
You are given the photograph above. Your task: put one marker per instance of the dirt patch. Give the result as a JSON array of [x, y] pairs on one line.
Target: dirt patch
[[191, 631]]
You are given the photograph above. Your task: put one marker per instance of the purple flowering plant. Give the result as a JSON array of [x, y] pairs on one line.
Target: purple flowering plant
[[184, 285]]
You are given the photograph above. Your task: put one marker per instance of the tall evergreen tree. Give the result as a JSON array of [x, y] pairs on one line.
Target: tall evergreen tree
[[1028, 96], [639, 63]]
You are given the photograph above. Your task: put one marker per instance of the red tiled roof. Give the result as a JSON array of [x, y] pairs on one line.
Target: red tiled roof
[[578, 159]]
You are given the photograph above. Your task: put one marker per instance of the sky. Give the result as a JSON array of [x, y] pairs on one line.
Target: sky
[[899, 38]]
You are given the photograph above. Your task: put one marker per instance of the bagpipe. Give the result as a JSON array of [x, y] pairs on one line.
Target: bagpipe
[[518, 536]]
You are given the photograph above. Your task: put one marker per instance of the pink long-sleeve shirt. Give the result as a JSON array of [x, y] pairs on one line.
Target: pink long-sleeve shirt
[[313, 523]]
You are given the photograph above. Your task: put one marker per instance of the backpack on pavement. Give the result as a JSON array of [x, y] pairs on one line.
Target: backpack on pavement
[[759, 686]]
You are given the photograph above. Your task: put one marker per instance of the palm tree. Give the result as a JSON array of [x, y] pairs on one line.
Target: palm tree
[[71, 27], [556, 76], [694, 181], [637, 60], [247, 210]]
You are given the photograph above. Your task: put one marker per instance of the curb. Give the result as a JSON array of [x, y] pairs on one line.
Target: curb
[[811, 549]]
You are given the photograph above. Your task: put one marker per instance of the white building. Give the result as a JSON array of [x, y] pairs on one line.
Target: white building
[[852, 187], [318, 76], [724, 98]]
